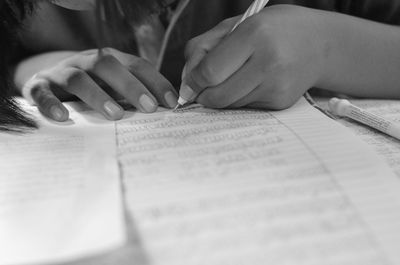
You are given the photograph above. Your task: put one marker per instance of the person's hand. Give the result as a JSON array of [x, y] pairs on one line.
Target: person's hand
[[86, 75], [268, 61]]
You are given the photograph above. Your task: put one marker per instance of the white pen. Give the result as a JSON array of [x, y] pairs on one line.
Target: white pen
[[344, 108], [187, 95]]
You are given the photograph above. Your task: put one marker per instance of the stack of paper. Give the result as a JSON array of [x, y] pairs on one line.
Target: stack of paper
[[201, 187]]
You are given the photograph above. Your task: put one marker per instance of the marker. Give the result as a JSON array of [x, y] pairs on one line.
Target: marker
[[344, 108], [186, 96]]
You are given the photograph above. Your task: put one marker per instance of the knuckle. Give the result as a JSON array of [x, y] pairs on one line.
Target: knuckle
[[117, 56], [140, 61], [105, 59], [40, 75], [83, 60], [226, 24], [191, 46], [73, 77], [205, 74], [109, 50], [95, 61], [87, 52], [137, 63], [255, 26], [278, 64], [280, 61], [259, 32], [75, 74]]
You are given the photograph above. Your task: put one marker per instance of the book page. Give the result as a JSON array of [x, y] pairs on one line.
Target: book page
[[60, 193], [255, 187], [384, 145]]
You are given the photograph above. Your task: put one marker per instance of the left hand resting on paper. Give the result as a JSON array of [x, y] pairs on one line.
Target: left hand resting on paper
[[96, 80]]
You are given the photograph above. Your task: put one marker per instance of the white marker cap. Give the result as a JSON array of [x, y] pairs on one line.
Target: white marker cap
[[339, 106]]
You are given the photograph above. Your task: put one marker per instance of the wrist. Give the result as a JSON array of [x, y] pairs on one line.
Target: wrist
[[361, 57], [327, 54]]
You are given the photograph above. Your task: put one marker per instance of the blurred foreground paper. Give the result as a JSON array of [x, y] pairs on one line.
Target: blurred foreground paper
[[233, 187], [59, 192]]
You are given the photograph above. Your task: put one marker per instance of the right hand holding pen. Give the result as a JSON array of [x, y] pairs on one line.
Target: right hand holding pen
[[268, 61]]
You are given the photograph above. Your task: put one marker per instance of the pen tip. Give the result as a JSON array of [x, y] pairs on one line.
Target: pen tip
[[178, 106]]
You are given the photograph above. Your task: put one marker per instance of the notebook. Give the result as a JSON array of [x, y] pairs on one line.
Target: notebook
[[255, 187]]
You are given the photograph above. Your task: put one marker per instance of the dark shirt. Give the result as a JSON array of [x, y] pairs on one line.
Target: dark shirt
[[385, 11]]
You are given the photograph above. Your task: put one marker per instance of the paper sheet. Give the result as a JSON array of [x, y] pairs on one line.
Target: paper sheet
[[251, 187], [59, 192], [385, 145]]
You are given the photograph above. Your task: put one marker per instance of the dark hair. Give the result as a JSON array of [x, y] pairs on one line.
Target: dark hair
[[12, 13]]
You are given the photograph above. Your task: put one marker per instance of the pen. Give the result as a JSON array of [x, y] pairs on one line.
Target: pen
[[344, 108], [254, 8]]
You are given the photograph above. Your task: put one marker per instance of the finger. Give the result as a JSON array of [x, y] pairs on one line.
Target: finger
[[220, 63], [195, 58], [152, 79], [209, 39], [79, 83], [155, 82], [198, 47], [48, 104], [118, 77], [240, 84], [185, 90]]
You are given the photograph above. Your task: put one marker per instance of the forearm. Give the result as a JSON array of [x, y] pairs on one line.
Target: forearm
[[362, 57]]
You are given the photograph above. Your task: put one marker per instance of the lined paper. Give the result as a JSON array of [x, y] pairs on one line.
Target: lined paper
[[252, 187], [60, 196]]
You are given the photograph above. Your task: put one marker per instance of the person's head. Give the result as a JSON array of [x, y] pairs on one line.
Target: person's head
[[12, 15]]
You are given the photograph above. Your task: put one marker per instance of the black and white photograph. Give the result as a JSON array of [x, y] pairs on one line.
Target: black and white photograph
[[199, 132]]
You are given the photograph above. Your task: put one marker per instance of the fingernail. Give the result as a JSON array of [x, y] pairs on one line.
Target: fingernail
[[112, 109], [147, 103], [186, 92], [57, 113], [171, 99]]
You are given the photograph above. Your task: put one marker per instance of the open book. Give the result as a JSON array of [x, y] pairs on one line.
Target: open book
[[251, 187]]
